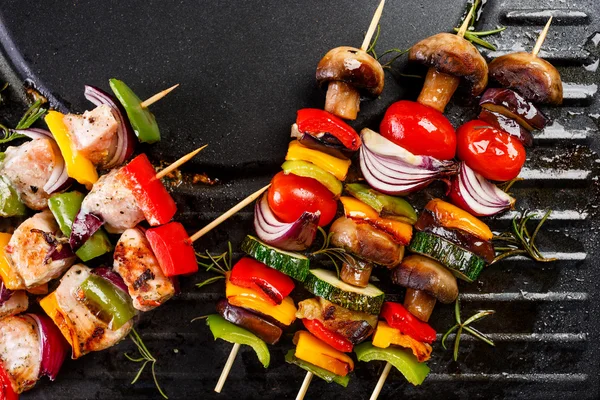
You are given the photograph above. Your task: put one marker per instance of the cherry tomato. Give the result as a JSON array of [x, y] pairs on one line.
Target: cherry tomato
[[290, 195], [493, 153], [419, 129]]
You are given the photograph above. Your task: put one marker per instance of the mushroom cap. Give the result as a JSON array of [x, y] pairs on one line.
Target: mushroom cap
[[353, 66], [422, 273], [453, 55], [534, 78]]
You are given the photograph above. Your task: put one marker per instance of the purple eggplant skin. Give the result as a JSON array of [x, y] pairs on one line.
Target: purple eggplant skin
[[265, 330], [512, 105], [507, 125], [324, 142]]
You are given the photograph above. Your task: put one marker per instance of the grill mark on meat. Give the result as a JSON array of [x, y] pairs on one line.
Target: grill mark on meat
[[142, 279]]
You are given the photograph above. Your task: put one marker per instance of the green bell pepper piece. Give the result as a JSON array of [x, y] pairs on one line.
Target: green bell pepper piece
[[10, 204], [112, 305], [64, 207], [387, 206], [223, 329], [142, 120], [404, 361], [327, 376], [309, 170]]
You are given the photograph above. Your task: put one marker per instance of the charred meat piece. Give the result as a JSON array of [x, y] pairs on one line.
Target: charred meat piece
[[31, 248], [366, 242], [94, 134], [481, 248], [239, 316], [28, 167], [135, 262], [534, 78], [86, 332], [355, 326], [20, 354], [111, 200]]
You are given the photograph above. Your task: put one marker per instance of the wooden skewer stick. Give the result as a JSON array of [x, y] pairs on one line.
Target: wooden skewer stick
[[305, 385], [465, 24], [381, 381], [367, 41], [151, 100], [540, 41], [228, 214], [164, 172], [227, 368]]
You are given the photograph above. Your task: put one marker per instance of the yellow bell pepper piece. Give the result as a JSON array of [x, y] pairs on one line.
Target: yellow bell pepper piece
[[50, 305], [78, 167], [385, 336], [253, 300], [452, 217], [335, 166], [319, 353], [355, 209], [11, 280]]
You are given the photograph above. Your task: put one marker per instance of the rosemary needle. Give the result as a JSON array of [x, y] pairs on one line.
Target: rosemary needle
[[220, 264], [146, 358]]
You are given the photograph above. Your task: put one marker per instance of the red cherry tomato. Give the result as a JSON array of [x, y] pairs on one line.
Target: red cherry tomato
[[290, 195], [419, 129], [492, 152]]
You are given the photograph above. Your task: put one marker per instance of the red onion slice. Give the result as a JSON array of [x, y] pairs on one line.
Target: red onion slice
[[59, 179], [125, 137], [475, 194], [111, 276], [394, 170], [53, 346], [294, 236], [84, 226], [5, 293]]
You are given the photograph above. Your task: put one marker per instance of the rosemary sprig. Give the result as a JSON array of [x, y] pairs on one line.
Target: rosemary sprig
[[371, 49], [145, 359], [335, 254], [2, 89], [399, 53], [475, 36], [33, 113], [518, 240], [220, 264], [460, 326], [9, 135]]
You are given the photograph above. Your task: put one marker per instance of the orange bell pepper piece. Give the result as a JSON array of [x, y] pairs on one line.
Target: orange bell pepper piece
[[50, 305], [319, 353], [11, 280], [450, 216], [357, 210], [385, 336]]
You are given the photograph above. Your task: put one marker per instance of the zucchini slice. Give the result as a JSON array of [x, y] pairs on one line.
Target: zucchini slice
[[462, 263], [325, 284], [292, 264]]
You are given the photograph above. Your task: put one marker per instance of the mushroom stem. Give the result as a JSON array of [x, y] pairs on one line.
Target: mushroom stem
[[419, 304], [342, 100], [356, 274], [541, 38], [438, 89]]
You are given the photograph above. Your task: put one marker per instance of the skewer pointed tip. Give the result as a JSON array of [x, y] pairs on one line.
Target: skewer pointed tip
[[151, 100], [367, 40], [541, 38], [164, 172], [465, 24]]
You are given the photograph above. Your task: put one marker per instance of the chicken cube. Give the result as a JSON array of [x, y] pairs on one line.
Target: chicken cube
[[20, 351], [16, 304]]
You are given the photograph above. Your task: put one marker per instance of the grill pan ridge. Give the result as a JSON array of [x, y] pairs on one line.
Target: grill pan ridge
[[547, 322]]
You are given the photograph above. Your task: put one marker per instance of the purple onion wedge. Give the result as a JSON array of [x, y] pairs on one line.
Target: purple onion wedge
[[5, 293], [84, 226], [325, 142], [111, 276], [475, 194], [294, 236], [391, 169], [53, 346]]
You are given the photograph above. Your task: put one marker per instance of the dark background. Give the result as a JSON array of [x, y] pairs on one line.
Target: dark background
[[245, 67]]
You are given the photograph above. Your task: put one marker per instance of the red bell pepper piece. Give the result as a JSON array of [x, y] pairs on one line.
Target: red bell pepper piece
[[150, 194], [314, 121], [274, 285], [173, 249], [400, 318], [6, 389], [333, 339]]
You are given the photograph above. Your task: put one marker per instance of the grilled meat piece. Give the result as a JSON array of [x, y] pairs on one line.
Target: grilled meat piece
[[20, 354]]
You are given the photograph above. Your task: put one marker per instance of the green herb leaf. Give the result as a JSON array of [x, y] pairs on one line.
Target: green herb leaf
[[9, 135], [146, 357], [32, 114]]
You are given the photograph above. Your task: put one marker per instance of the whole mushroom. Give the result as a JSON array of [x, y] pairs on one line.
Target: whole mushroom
[[426, 282], [451, 59], [348, 73]]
